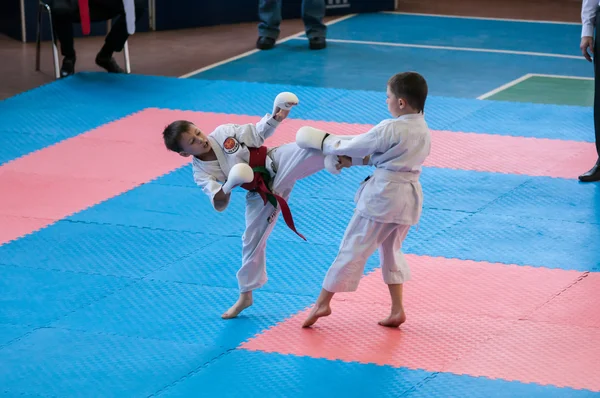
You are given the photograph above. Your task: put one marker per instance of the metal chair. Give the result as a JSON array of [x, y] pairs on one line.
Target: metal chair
[[44, 7]]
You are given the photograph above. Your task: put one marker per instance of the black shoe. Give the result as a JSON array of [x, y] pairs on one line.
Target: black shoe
[[68, 66], [109, 64], [265, 43], [317, 43], [592, 175]]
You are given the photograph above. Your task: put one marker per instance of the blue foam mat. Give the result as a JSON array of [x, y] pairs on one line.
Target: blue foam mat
[[292, 267], [553, 38], [482, 387], [159, 206], [449, 73], [100, 249], [273, 374], [552, 199], [443, 208], [9, 332], [35, 297], [518, 240], [59, 362], [183, 312]]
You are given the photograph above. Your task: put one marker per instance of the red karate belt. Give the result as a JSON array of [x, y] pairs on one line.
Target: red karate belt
[[258, 157], [84, 14]]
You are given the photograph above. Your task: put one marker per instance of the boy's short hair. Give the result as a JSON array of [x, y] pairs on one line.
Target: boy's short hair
[[172, 133], [412, 87]]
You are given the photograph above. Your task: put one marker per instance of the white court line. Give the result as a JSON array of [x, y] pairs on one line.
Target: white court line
[[505, 86], [563, 76], [525, 77], [480, 18], [257, 50], [483, 50]]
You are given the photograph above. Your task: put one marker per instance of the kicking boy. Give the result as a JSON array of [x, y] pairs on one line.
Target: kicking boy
[[234, 155], [388, 202]]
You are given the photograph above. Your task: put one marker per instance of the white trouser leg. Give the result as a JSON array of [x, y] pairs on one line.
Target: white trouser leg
[[394, 267], [260, 221], [362, 237], [292, 163]]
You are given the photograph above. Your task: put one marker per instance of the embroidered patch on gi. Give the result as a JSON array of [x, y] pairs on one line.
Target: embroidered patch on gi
[[231, 145]]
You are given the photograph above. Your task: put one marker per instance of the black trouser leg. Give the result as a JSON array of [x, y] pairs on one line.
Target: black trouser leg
[[63, 28], [594, 173], [116, 38]]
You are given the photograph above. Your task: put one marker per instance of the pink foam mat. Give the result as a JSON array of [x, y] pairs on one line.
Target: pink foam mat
[[464, 317], [74, 174], [455, 150]]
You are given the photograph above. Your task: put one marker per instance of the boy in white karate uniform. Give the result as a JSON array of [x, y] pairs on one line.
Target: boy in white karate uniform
[[388, 202], [233, 155]]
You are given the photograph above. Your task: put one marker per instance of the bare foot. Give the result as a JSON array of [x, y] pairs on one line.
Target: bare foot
[[394, 320], [243, 302], [318, 311]]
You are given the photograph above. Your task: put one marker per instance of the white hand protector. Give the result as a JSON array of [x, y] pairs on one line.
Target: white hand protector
[[239, 174], [284, 101]]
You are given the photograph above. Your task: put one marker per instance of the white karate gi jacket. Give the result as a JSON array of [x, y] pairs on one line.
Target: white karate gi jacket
[[230, 143], [398, 147]]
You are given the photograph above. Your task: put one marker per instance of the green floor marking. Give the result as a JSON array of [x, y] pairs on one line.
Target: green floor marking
[[549, 90]]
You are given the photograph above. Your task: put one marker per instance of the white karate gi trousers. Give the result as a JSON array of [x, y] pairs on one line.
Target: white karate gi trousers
[[362, 237]]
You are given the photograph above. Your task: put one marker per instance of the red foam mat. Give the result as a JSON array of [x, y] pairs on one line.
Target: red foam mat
[[464, 317]]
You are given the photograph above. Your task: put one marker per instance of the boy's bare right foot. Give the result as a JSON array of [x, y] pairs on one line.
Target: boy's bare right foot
[[318, 311], [243, 302], [394, 320]]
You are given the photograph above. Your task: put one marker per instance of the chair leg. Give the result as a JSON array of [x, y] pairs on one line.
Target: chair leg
[[54, 47], [39, 38], [126, 54]]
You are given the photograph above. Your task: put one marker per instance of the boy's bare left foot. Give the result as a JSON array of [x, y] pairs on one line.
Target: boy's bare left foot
[[394, 320], [318, 311], [243, 302]]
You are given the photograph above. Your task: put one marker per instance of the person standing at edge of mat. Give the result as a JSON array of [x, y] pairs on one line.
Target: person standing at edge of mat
[[589, 20], [313, 12], [67, 12]]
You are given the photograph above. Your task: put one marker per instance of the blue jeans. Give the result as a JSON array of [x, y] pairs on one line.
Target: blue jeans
[[313, 12]]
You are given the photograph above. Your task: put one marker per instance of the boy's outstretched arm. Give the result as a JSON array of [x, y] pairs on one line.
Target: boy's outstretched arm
[[359, 146]]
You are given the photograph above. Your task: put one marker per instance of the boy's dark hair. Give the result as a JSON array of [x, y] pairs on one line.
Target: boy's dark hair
[[172, 133], [412, 87]]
